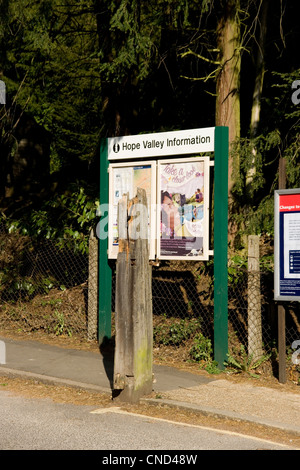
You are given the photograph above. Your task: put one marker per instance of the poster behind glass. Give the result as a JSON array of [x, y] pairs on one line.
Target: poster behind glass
[[126, 178], [183, 216]]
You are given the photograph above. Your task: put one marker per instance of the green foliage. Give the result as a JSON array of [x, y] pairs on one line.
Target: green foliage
[[202, 349], [237, 267], [179, 332], [256, 204], [66, 220], [263, 146], [60, 327], [289, 114], [85, 70], [48, 65], [244, 363], [202, 352], [175, 333], [16, 287]]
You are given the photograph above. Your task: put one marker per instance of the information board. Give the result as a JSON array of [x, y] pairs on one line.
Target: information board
[[162, 144], [126, 178], [183, 208], [287, 245]]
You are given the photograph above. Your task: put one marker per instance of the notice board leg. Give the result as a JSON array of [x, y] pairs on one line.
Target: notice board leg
[[221, 246], [105, 271], [281, 344]]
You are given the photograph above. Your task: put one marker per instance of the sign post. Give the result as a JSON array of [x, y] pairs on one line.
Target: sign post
[[221, 246], [105, 273]]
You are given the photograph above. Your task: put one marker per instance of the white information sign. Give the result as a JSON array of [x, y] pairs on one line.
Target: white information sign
[[193, 141]]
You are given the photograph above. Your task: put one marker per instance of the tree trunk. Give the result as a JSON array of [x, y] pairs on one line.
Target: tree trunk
[[256, 100], [228, 80]]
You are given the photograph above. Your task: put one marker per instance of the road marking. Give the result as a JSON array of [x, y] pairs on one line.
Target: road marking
[[115, 409], [112, 409]]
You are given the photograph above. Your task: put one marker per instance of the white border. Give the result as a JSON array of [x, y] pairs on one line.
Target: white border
[[114, 249], [206, 199]]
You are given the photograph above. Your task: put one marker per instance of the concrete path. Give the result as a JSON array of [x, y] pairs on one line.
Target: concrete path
[[276, 408]]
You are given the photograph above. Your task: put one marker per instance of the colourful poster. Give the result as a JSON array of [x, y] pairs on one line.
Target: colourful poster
[[126, 179], [184, 202]]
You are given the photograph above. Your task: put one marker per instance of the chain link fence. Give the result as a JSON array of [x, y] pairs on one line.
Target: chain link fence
[[43, 287], [52, 289]]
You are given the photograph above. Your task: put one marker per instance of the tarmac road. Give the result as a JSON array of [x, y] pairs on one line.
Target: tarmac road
[[42, 424], [35, 370]]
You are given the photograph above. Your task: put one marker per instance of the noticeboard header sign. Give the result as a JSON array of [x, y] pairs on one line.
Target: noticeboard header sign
[[287, 245], [161, 144]]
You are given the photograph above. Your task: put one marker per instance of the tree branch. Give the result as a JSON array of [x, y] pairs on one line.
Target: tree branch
[[189, 52]]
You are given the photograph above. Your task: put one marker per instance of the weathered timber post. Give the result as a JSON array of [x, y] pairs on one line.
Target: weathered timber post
[[93, 287], [254, 299], [133, 322]]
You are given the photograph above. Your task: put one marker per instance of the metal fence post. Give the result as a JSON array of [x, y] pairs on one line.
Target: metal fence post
[[105, 273], [221, 246]]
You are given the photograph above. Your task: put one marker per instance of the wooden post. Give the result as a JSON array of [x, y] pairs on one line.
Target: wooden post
[[281, 344], [254, 299], [134, 330], [93, 287]]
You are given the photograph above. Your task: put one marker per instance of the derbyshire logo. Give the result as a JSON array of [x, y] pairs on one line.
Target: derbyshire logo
[[2, 92], [116, 148]]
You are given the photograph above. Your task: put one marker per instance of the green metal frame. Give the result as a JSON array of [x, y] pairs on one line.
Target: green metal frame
[[221, 246], [105, 272], [220, 249]]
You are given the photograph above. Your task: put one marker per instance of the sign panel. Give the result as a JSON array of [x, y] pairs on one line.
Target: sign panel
[[183, 215], [126, 178], [287, 245], [192, 141]]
